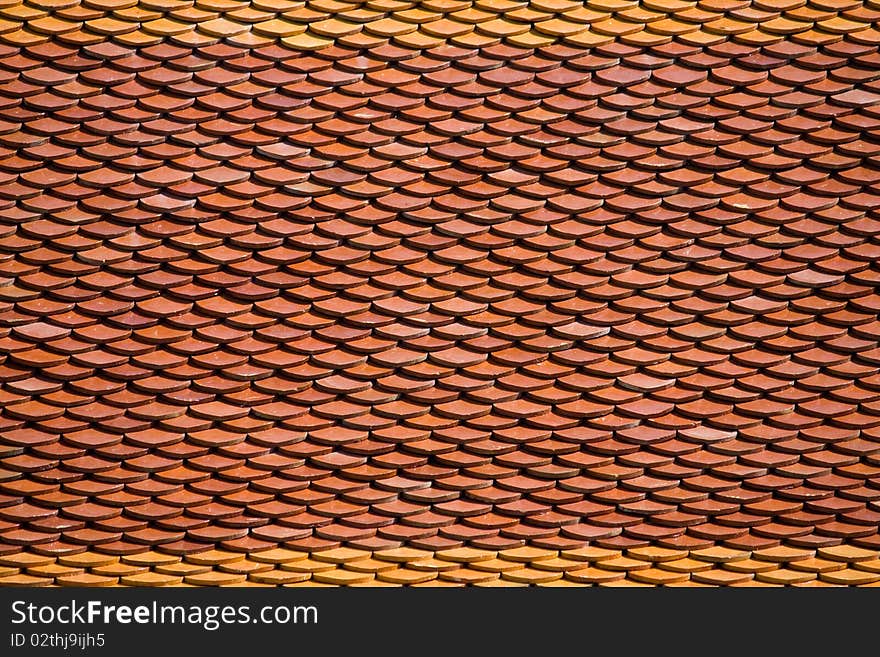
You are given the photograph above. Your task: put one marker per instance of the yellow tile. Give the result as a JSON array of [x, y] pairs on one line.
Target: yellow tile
[[25, 560], [623, 564], [213, 557], [656, 554], [340, 555], [557, 564], [466, 576], [785, 576], [782, 554], [150, 559], [446, 28], [591, 575], [505, 584], [369, 565], [119, 570], [750, 566], [375, 584], [527, 554], [718, 554], [405, 576], [720, 577], [86, 579], [555, 584], [53, 570], [531, 39], [560, 27], [221, 27], [439, 584], [816, 565], [334, 28], [278, 577], [658, 577], [87, 560], [150, 579], [872, 566], [403, 555], [850, 577], [308, 584], [306, 42], [755, 584], [436, 565], [110, 26], [465, 555], [182, 569], [166, 27], [624, 583], [308, 566], [389, 27], [783, 26], [847, 553], [244, 567], [690, 584], [277, 556], [25, 580], [531, 575], [500, 27], [341, 577], [214, 578]]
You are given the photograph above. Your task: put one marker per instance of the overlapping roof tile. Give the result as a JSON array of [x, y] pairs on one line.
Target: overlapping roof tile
[[440, 293]]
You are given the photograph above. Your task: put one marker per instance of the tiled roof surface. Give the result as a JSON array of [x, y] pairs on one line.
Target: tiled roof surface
[[440, 293]]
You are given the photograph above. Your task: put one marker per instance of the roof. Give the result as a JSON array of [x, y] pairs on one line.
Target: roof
[[440, 293]]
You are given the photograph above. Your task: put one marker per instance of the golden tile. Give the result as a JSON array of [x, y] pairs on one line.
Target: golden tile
[[119, 570], [558, 27], [750, 566], [406, 576], [340, 555], [527, 554], [592, 575], [657, 576], [850, 577], [53, 570], [557, 564], [25, 560], [369, 565], [719, 554], [623, 564], [782, 554], [403, 555], [465, 555], [150, 579], [531, 575], [150, 559], [685, 565], [590, 554], [86, 579], [182, 569], [817, 565], [720, 577], [213, 557], [25, 580], [306, 42], [278, 577], [214, 578], [341, 577], [166, 27], [466, 576], [785, 576], [308, 566], [847, 553], [277, 556], [334, 28]]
